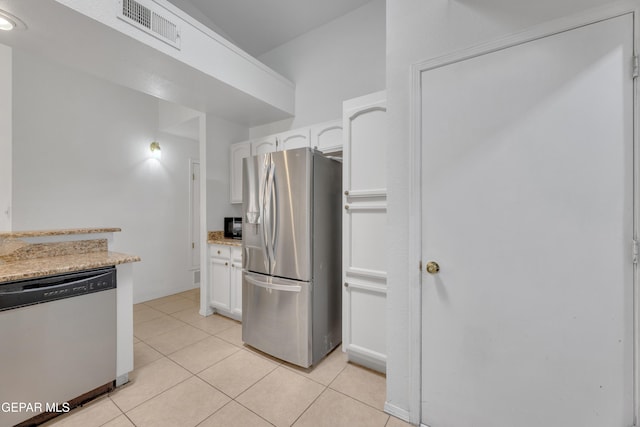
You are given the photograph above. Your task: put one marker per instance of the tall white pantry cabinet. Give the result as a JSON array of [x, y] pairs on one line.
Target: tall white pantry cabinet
[[364, 228]]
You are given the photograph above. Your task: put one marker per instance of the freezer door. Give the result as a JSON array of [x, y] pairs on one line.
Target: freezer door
[[289, 215], [276, 317]]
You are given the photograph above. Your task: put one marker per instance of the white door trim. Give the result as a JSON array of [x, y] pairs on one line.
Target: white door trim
[[192, 202], [415, 155]]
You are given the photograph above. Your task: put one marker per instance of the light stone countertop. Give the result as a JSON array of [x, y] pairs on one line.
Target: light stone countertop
[[217, 238], [20, 259], [61, 232], [47, 266]]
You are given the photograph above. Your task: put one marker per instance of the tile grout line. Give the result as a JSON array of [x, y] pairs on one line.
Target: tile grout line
[[157, 395], [326, 387], [251, 410], [310, 405], [232, 399], [358, 400]]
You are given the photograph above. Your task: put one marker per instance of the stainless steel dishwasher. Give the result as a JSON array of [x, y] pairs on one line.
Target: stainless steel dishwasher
[[57, 341]]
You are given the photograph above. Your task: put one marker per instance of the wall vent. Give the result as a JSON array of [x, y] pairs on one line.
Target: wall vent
[[148, 20], [196, 277]]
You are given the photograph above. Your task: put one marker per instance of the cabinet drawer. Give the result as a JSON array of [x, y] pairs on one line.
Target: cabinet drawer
[[220, 251]]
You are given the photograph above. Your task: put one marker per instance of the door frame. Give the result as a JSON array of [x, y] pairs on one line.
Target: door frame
[[415, 187], [194, 204]]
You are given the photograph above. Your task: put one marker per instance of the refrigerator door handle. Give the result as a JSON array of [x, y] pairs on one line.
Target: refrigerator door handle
[[286, 288], [264, 204], [268, 209], [274, 211]]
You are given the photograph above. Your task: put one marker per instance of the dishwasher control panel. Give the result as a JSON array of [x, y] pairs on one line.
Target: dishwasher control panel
[[50, 288]]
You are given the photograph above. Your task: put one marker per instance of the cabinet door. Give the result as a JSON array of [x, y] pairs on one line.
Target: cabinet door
[[365, 129], [268, 144], [236, 282], [297, 138], [239, 152], [327, 137], [364, 253], [219, 269]]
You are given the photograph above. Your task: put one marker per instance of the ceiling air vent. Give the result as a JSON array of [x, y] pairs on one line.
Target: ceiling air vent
[[146, 19]]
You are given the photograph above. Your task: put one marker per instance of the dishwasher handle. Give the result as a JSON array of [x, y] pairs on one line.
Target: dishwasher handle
[[33, 288], [29, 292]]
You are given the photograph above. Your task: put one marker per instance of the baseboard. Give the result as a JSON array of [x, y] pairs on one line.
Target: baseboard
[[397, 412], [366, 361], [122, 379]]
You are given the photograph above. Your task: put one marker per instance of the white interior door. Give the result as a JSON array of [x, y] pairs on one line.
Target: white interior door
[[527, 207]]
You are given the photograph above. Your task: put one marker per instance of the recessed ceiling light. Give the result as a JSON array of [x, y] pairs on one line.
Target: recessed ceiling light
[[6, 24], [9, 22]]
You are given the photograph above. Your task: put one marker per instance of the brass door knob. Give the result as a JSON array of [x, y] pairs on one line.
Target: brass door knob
[[432, 267]]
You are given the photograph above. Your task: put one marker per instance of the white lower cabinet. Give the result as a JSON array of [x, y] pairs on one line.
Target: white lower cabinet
[[364, 328], [225, 280], [236, 283]]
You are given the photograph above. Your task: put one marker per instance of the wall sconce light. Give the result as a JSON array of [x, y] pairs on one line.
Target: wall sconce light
[[156, 152]]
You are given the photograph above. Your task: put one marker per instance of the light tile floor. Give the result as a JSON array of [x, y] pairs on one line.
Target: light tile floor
[[191, 370]]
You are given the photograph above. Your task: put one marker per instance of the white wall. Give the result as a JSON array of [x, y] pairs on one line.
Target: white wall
[[220, 134], [340, 60], [418, 30], [192, 10], [178, 120], [81, 159], [5, 137]]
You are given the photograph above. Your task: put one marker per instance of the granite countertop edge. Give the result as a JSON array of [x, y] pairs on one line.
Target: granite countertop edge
[[228, 242], [61, 232], [41, 267]]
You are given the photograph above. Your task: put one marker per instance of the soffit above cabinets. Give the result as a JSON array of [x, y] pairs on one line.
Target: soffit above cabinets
[[206, 72]]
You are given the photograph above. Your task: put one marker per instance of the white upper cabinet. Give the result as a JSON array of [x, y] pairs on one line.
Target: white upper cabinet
[[365, 124], [239, 152], [297, 138], [327, 137], [267, 144]]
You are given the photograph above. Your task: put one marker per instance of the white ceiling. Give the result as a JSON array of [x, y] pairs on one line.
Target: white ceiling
[[258, 26], [62, 35]]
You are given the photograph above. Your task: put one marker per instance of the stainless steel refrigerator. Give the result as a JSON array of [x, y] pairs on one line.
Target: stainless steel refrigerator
[[292, 255]]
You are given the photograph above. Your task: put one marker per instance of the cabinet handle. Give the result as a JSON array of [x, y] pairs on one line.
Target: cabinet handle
[[226, 263], [218, 252], [346, 207], [346, 193], [346, 285]]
